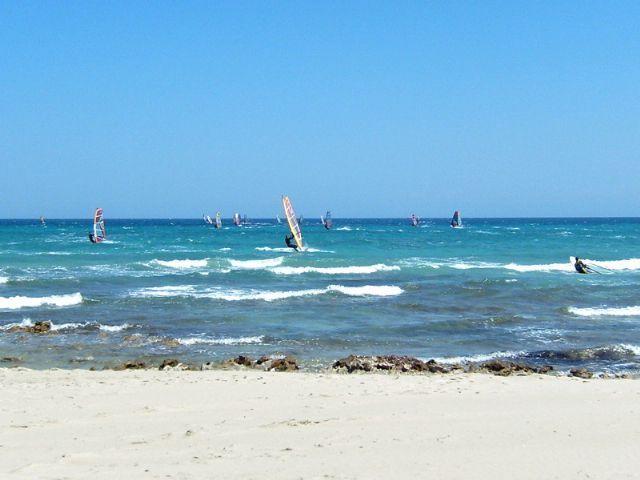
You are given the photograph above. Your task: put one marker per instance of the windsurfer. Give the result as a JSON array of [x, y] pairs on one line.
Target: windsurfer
[[581, 267], [290, 241]]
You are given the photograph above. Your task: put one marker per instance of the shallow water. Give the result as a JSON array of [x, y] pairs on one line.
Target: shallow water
[[179, 288]]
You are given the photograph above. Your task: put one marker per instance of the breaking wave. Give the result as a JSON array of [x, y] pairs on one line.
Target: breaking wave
[[181, 264], [256, 264], [27, 322], [362, 270], [482, 357], [278, 249], [606, 312], [191, 291], [4, 280], [14, 303], [220, 341], [562, 267]]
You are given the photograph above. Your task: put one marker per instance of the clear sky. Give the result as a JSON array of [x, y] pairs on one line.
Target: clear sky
[[172, 109]]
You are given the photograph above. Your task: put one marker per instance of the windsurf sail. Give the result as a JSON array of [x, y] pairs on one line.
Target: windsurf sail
[[244, 219], [415, 221], [326, 220], [236, 219], [218, 220], [456, 220], [278, 219], [207, 219], [99, 232], [294, 225], [42, 221]]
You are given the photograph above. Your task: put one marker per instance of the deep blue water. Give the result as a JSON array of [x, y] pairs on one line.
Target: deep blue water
[[179, 288]]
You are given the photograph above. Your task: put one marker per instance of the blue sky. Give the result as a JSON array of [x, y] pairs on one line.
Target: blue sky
[[171, 109]]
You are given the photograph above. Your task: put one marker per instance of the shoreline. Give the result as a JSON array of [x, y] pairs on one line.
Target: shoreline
[[254, 424], [394, 364]]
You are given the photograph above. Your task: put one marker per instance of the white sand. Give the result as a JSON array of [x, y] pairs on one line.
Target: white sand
[[247, 424]]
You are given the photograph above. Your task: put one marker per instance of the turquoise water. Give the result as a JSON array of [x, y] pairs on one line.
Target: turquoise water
[[179, 288]]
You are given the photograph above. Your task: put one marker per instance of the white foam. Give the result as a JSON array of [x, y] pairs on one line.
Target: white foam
[[360, 270], [628, 264], [114, 328], [256, 264], [14, 303], [224, 249], [344, 229], [181, 264], [606, 312], [4, 280], [166, 291], [220, 341], [471, 265], [482, 357], [27, 322], [278, 249], [231, 295], [633, 348], [367, 290], [550, 267]]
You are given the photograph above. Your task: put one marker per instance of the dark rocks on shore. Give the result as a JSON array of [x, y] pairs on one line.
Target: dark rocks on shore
[[286, 364], [580, 373], [169, 363], [132, 365], [395, 363], [504, 369], [10, 360], [38, 327], [400, 364]]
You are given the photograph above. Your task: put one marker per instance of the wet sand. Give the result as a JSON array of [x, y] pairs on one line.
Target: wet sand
[[75, 424]]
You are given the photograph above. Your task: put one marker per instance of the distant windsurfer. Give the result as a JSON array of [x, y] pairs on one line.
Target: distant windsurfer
[[290, 241], [582, 267]]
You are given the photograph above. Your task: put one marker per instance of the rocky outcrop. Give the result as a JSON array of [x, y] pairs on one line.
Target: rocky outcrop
[[286, 364], [132, 365], [173, 364], [38, 327], [390, 363], [10, 360], [504, 369], [580, 373], [402, 364]]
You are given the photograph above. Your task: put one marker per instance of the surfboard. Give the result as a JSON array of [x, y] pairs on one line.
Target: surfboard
[[294, 226]]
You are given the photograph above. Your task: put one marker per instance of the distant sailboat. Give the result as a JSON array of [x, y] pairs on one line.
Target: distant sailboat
[[456, 220], [415, 221], [326, 220], [236, 219], [99, 233], [218, 220]]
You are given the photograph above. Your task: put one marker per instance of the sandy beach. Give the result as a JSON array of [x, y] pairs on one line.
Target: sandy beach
[[75, 424]]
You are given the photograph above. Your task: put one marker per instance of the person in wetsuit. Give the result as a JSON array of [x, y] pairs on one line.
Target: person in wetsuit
[[290, 241], [581, 267], [92, 238]]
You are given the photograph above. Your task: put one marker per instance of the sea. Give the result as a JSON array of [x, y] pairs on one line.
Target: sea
[[156, 289]]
